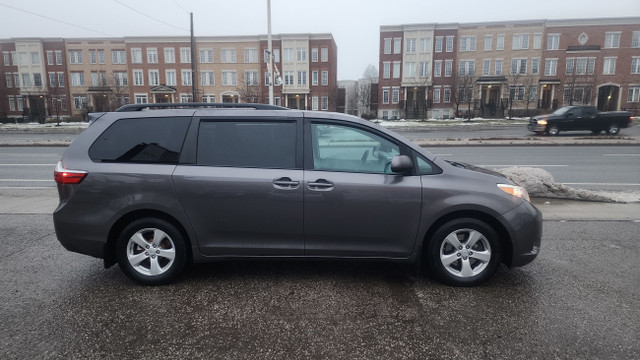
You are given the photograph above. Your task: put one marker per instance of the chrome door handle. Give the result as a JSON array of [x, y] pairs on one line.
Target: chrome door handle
[[320, 185], [285, 183]]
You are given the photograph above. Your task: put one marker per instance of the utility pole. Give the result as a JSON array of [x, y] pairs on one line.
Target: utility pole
[[270, 46], [194, 87]]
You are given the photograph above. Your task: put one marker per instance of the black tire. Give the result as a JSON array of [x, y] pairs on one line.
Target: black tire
[[613, 129], [149, 260], [466, 266], [553, 130]]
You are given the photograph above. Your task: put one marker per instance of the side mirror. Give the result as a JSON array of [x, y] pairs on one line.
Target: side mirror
[[401, 164]]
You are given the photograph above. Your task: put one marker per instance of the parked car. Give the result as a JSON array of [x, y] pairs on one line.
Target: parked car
[[155, 190], [571, 118]]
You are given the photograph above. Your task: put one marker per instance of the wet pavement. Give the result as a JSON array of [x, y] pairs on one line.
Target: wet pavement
[[578, 300]]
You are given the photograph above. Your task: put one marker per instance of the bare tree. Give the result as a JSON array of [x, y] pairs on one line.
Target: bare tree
[[249, 93], [371, 72], [530, 89]]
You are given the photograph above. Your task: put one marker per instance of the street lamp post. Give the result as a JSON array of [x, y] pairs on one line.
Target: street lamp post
[[270, 46]]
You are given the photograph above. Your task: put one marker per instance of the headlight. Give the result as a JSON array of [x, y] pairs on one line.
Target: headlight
[[542, 122], [517, 191]]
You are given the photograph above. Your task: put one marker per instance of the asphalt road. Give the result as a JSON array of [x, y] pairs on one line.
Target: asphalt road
[[578, 300], [612, 168]]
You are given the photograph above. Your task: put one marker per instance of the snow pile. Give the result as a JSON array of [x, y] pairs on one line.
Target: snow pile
[[540, 183]]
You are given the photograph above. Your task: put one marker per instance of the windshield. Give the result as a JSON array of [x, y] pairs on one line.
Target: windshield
[[561, 111]]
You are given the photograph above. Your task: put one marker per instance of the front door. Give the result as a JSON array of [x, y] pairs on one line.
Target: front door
[[243, 196], [354, 206]]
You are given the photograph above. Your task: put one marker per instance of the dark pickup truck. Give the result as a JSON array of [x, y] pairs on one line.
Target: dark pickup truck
[[570, 118]]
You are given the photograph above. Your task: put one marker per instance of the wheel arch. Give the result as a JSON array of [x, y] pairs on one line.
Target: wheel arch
[[121, 223], [503, 234]]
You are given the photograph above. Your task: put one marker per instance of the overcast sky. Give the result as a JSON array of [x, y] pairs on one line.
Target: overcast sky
[[355, 24]]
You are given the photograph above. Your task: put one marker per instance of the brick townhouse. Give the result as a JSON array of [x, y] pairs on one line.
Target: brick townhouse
[[47, 78], [514, 67]]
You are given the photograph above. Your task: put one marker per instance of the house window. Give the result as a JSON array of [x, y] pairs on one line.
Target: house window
[[60, 79], [425, 45], [301, 54], [325, 78], [436, 95], [467, 43], [314, 103], [58, 54], [20, 103], [136, 56], [537, 41], [488, 40], [314, 55], [518, 66], [397, 45], [635, 41], [101, 56], [435, 114], [169, 55], [138, 78], [152, 55], [449, 44], [314, 78], [251, 78], [486, 67], [52, 79], [79, 102], [228, 55], [520, 42], [12, 104], [387, 46], [287, 56], [325, 103], [395, 95], [550, 67], [37, 79], [9, 78], [250, 56], [93, 58], [171, 77], [611, 40], [467, 67], [288, 77], [439, 43], [117, 57], [535, 66], [409, 69], [635, 65], [229, 78], [185, 55], [141, 98], [446, 95], [634, 94], [206, 56], [448, 68], [302, 78], [396, 69], [154, 78], [424, 69], [553, 41], [498, 67], [437, 68], [324, 54], [385, 95], [411, 45], [120, 78], [77, 79], [186, 78], [7, 58], [386, 70], [609, 66], [500, 42], [49, 58], [75, 57]]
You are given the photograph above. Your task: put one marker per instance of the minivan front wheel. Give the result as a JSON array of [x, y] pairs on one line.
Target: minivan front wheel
[[151, 251], [464, 252]]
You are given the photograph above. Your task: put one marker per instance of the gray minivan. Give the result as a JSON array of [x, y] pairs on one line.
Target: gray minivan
[[154, 187]]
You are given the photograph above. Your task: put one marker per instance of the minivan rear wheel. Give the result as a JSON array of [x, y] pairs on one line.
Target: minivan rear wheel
[[151, 251], [464, 252]]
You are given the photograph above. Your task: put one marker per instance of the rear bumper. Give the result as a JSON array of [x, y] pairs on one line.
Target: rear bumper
[[79, 232], [526, 233]]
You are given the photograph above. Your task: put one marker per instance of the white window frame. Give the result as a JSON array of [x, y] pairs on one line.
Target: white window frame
[[386, 46], [169, 55], [206, 56], [448, 44], [500, 42], [152, 55], [154, 77], [612, 39], [185, 55], [488, 42], [553, 41], [186, 79], [136, 55], [550, 67], [609, 65], [138, 77], [437, 68]]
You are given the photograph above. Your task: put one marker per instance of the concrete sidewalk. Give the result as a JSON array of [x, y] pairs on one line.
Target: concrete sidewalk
[[45, 201]]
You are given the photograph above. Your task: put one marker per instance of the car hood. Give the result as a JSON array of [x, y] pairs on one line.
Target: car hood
[[477, 169]]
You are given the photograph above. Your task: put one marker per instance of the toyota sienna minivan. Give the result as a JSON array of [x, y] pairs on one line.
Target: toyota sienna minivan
[[154, 187]]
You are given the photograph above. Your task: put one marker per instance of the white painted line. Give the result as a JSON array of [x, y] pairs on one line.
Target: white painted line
[[620, 154], [23, 180], [521, 165], [52, 165], [26, 187], [604, 184]]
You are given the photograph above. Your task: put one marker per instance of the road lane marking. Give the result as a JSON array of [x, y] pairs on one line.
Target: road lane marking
[[602, 184], [620, 154], [52, 165], [520, 165], [24, 180], [26, 187]]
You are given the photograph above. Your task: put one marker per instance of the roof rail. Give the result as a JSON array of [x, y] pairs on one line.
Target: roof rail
[[189, 105]]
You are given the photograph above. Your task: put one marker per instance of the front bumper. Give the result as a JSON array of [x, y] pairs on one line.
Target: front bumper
[[526, 233], [536, 128]]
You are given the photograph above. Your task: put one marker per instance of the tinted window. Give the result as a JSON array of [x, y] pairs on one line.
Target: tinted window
[[247, 144], [425, 167], [148, 140], [343, 148]]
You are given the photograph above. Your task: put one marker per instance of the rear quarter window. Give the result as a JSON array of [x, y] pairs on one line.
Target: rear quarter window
[[147, 140]]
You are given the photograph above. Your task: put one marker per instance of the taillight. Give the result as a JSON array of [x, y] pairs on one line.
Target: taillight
[[65, 176]]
